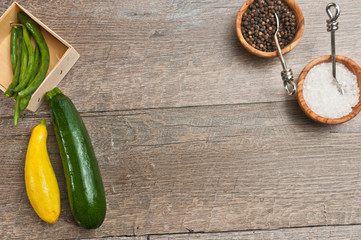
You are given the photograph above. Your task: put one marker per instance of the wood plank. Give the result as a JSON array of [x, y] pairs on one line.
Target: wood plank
[[319, 233], [201, 169], [151, 54]]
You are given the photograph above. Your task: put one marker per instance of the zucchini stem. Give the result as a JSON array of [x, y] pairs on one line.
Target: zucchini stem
[[49, 95]]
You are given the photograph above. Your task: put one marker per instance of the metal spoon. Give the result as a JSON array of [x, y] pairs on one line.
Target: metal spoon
[[332, 26], [287, 75]]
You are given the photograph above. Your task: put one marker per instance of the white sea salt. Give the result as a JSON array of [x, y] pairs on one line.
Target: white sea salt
[[321, 94]]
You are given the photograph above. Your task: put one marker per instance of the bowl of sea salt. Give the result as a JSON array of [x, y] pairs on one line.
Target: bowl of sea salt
[[319, 97]]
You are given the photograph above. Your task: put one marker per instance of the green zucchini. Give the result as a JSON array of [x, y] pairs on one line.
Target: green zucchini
[[84, 183]]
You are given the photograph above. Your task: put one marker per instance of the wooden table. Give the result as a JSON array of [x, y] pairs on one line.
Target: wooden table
[[195, 137]]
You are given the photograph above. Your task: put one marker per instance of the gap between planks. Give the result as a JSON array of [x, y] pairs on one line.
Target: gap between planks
[[286, 232], [140, 111]]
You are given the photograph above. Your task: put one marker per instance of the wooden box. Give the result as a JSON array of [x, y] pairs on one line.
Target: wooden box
[[62, 55]]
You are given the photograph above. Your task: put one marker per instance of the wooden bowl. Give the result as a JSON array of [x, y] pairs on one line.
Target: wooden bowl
[[352, 66], [299, 30]]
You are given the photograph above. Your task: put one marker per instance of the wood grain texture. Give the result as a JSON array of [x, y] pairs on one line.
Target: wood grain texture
[[142, 54], [201, 169]]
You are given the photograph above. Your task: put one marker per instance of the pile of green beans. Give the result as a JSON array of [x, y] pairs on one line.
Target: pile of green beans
[[29, 64]]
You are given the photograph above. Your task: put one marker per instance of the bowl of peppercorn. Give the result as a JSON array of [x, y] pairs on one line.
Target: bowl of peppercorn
[[256, 26]]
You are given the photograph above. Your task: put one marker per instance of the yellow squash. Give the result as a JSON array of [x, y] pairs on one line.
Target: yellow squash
[[41, 184]]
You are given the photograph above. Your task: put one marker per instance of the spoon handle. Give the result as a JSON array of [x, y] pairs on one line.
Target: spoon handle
[[333, 49], [286, 74], [332, 26]]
